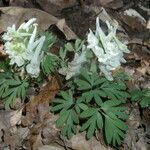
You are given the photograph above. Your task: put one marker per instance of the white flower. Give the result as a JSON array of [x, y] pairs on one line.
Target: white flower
[[17, 46], [17, 53], [74, 66], [107, 48], [24, 47], [21, 43], [20, 32], [33, 68], [26, 26]]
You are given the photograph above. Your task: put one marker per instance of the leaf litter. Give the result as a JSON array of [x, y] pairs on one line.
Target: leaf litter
[[31, 125]]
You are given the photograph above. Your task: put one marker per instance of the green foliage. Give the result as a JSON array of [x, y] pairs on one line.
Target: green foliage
[[62, 55], [109, 116], [49, 41], [93, 108], [49, 63], [75, 47], [94, 87], [93, 122], [69, 109], [69, 48], [4, 65], [141, 96], [12, 87]]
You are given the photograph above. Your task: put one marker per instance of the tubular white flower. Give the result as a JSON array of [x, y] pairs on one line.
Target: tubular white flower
[[16, 53], [74, 66], [24, 48], [22, 44], [107, 48], [26, 26], [33, 68]]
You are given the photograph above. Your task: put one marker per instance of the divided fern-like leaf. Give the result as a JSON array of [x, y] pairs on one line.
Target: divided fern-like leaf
[[97, 105], [115, 90], [12, 87], [94, 87], [74, 47], [49, 41], [110, 115], [4, 65], [93, 122], [69, 112], [49, 63], [141, 96], [114, 130]]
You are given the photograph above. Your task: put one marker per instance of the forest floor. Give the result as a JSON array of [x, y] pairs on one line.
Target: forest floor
[[30, 126]]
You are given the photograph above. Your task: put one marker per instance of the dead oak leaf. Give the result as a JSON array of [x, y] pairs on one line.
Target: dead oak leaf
[[18, 15], [38, 107], [9, 119]]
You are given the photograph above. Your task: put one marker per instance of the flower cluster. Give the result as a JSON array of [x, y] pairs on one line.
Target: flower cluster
[[24, 47], [107, 48], [74, 66]]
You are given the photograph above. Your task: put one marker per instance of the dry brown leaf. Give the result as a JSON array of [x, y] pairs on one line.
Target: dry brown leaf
[[18, 15], [8, 122], [50, 132], [134, 25], [105, 2], [134, 14], [114, 4], [146, 119], [9, 140], [61, 24], [21, 135], [9, 119], [49, 147], [79, 142], [132, 22], [38, 142], [141, 70], [2, 52], [43, 133], [54, 7], [38, 107], [21, 3], [148, 24]]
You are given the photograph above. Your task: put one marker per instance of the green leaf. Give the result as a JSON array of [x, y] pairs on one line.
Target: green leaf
[[88, 112], [83, 85], [83, 106], [61, 120], [4, 65], [49, 41], [91, 129], [145, 102], [85, 74], [78, 45], [141, 96], [69, 47], [49, 63], [113, 130], [62, 53], [11, 88], [99, 121], [67, 122], [87, 123], [93, 122], [75, 117], [64, 103], [67, 95]]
